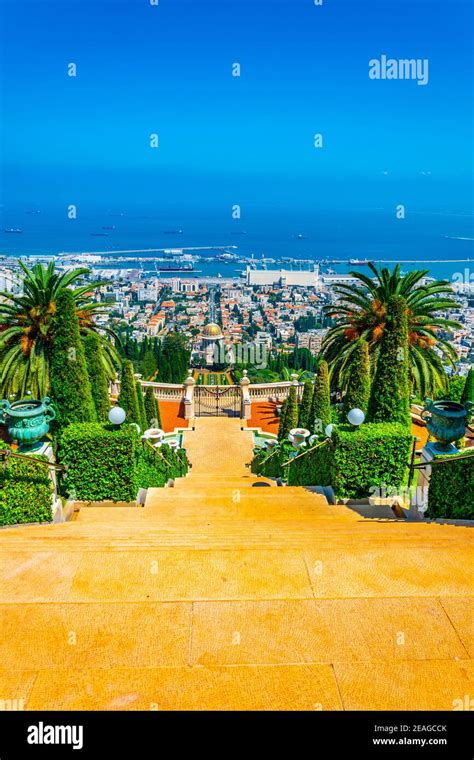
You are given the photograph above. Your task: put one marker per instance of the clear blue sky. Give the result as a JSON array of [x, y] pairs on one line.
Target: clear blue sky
[[167, 69]]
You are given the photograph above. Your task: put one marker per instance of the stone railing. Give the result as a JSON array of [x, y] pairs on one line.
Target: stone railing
[[162, 391], [250, 392], [166, 391], [273, 391]]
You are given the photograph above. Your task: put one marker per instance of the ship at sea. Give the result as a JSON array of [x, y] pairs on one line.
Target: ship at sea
[[360, 262], [11, 229], [174, 267]]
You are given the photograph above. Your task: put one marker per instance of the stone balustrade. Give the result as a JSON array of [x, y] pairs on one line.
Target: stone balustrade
[[250, 392]]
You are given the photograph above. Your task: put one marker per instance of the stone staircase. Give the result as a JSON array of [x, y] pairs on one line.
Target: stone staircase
[[221, 595]]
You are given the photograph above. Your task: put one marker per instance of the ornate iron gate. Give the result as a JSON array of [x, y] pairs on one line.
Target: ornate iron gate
[[217, 402]]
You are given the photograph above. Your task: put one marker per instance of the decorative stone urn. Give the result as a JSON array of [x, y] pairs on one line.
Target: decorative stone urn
[[27, 420], [446, 421], [154, 435], [270, 443], [298, 436]]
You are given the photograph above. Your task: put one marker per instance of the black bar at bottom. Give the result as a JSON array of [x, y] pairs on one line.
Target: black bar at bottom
[[149, 734]]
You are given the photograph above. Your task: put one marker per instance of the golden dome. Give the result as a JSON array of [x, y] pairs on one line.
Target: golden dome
[[212, 331]]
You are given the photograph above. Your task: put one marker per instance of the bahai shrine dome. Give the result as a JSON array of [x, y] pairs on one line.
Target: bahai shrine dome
[[212, 332], [212, 343]]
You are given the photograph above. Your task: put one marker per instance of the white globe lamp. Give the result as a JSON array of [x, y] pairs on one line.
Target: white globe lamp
[[117, 415], [328, 430], [356, 417]]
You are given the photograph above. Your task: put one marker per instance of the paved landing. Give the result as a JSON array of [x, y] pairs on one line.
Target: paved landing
[[221, 595]]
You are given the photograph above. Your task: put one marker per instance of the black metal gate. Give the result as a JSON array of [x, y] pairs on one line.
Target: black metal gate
[[216, 402]]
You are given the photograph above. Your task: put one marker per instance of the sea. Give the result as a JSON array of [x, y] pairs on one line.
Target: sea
[[440, 241]]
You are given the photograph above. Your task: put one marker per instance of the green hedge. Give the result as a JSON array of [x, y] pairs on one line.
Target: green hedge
[[375, 454], [353, 463], [155, 469], [106, 463], [26, 492], [451, 489], [269, 463], [315, 468]]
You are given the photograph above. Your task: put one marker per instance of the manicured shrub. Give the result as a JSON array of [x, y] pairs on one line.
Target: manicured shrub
[[314, 468], [128, 399], [358, 384], [26, 491], [305, 406], [102, 461], [152, 409], [451, 489], [155, 468], [97, 376], [141, 407], [390, 393], [320, 414], [355, 462], [367, 457], [108, 463], [70, 385]]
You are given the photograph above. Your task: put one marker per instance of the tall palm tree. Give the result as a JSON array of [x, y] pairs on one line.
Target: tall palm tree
[[361, 313], [26, 327]]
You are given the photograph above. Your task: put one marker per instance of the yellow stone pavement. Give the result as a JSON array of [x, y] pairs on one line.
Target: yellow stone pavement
[[220, 595]]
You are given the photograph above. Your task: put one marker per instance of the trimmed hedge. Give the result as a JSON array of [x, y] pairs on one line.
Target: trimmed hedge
[[451, 489], [154, 470], [316, 468], [353, 463], [105, 463], [375, 454], [26, 492]]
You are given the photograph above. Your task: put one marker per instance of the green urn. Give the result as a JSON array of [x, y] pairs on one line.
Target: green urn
[[27, 420], [446, 421]]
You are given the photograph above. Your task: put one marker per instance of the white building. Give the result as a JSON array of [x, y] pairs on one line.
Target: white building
[[282, 278], [149, 295]]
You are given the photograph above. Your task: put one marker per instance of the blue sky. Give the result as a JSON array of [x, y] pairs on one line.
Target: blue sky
[[167, 69]]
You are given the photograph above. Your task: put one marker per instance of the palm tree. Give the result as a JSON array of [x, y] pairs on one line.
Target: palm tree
[[26, 328], [361, 313]]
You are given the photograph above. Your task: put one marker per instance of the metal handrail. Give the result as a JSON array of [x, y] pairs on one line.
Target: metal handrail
[[157, 452], [453, 458], [269, 456], [307, 451], [4, 453]]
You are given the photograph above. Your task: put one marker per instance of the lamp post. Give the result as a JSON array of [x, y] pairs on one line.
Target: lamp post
[[117, 416], [356, 417]]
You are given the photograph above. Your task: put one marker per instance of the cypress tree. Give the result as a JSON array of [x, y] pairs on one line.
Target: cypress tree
[[141, 407], [282, 432], [358, 384], [97, 376], [390, 394], [305, 406], [152, 409], [149, 364], [70, 385], [290, 419], [128, 399], [320, 413], [468, 390]]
